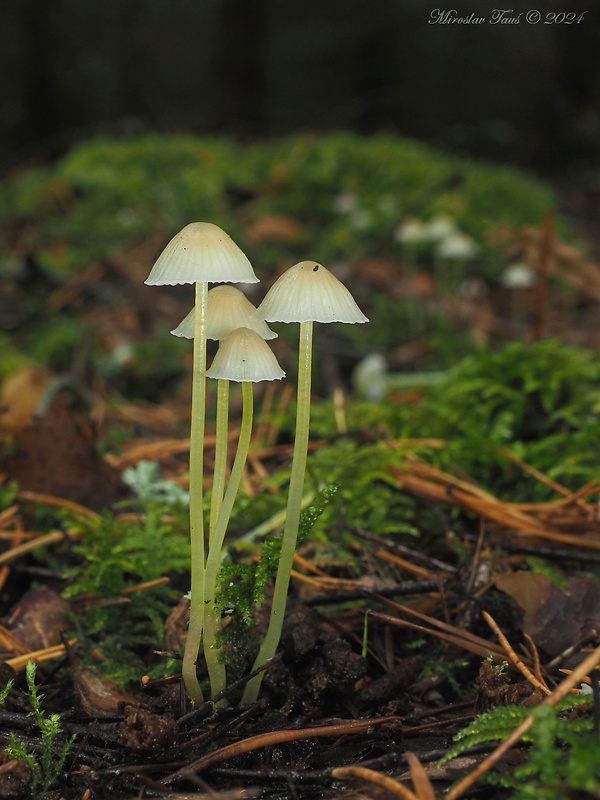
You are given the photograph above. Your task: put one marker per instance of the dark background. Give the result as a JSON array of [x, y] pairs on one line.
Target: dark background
[[524, 94]]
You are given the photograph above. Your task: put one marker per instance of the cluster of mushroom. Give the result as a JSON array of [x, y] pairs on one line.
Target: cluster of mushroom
[[201, 254]]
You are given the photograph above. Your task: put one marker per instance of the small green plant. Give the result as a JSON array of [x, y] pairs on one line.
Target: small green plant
[[45, 762], [242, 586], [145, 480], [562, 757]]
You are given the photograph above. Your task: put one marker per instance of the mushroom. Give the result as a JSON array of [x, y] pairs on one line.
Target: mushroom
[[306, 293], [200, 253], [227, 308], [244, 357]]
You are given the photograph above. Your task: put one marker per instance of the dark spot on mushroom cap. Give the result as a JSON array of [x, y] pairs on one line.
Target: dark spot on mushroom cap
[[315, 268]]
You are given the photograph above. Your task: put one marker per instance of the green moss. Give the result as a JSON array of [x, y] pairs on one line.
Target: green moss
[[111, 556], [539, 401], [107, 193], [11, 358], [55, 342]]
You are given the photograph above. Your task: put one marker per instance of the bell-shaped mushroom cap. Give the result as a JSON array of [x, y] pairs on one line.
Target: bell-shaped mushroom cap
[[201, 252], [245, 356], [308, 291], [227, 308]]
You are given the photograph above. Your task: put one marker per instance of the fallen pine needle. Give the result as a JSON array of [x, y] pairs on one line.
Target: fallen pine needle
[[276, 738], [377, 778], [514, 659], [141, 587], [18, 663], [420, 778], [40, 541], [61, 502]]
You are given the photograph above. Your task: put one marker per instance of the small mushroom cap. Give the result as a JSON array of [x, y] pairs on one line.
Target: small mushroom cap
[[309, 291], [245, 356], [201, 252], [227, 308]]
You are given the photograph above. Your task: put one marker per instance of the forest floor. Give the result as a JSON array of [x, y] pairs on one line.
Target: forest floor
[[433, 589]]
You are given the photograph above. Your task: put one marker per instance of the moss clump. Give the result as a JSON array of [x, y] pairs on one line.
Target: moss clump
[[347, 193]]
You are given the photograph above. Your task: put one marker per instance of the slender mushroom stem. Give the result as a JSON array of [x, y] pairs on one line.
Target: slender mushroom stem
[[220, 470], [192, 644], [212, 653], [294, 505]]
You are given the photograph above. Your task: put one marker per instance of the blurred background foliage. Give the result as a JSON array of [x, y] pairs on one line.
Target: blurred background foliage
[[525, 94], [81, 234], [343, 196]]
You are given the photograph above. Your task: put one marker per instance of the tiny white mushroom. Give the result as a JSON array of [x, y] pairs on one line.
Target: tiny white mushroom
[[457, 246], [308, 292], [244, 356], [201, 252], [227, 308]]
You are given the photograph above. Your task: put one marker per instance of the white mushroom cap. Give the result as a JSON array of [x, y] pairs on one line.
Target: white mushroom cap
[[201, 252], [309, 292], [245, 356], [227, 308], [518, 276]]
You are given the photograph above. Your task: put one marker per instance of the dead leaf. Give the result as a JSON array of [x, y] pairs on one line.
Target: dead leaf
[[22, 393], [529, 591], [555, 618], [176, 625], [99, 697], [55, 454], [39, 619]]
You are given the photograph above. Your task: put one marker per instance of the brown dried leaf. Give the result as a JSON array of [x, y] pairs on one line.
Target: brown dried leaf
[[39, 620], [176, 625], [555, 618], [55, 455], [99, 697], [22, 393]]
